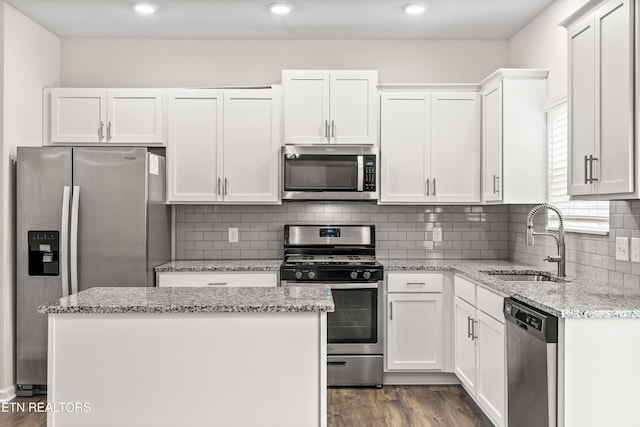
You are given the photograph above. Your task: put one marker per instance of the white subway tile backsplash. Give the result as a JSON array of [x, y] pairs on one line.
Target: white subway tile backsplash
[[401, 231]]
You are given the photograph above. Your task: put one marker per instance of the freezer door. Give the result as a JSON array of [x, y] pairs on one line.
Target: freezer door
[[112, 216], [41, 176]]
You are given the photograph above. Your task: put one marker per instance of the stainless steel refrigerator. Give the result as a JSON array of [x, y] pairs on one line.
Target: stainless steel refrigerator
[[86, 217]]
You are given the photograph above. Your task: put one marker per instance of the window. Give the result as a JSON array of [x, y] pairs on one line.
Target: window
[[580, 216]]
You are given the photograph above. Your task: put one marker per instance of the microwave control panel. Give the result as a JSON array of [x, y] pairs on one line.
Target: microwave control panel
[[369, 173]]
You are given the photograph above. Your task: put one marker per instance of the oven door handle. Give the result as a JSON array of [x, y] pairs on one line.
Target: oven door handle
[[369, 285]]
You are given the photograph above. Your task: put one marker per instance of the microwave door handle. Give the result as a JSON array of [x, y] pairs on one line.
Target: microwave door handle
[[360, 173]]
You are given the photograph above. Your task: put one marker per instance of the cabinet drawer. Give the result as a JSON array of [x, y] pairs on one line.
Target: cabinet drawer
[[465, 289], [209, 279], [414, 282], [491, 303]]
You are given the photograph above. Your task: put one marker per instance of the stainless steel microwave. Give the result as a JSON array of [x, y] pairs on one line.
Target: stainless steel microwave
[[330, 172]]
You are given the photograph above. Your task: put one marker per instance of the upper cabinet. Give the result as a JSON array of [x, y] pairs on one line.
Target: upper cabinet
[[601, 97], [513, 136], [336, 107], [430, 147], [95, 116], [224, 146]]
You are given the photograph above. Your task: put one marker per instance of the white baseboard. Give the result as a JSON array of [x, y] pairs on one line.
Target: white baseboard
[[420, 378], [7, 394]]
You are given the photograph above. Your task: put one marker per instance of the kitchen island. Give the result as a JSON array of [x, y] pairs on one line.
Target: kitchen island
[[189, 356]]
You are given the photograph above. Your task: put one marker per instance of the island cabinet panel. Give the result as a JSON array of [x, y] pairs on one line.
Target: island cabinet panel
[[480, 355], [188, 369], [217, 279]]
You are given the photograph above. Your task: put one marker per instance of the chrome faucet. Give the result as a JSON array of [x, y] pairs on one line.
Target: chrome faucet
[[560, 258]]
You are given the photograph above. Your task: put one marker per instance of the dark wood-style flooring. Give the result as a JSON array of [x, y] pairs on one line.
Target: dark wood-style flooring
[[391, 406]]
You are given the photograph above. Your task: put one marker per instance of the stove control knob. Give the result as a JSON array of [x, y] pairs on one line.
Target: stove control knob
[[311, 275], [366, 275], [354, 275], [298, 274]]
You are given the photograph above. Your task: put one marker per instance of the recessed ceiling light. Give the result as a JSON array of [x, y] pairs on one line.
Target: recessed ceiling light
[[145, 8], [415, 8], [280, 8]]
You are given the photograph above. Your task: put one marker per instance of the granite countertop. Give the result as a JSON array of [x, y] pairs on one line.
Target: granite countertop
[[575, 297], [292, 299], [220, 265]]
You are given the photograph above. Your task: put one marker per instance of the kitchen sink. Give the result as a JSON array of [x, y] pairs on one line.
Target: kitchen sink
[[523, 277]]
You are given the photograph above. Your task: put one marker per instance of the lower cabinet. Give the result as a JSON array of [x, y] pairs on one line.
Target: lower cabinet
[[415, 322], [217, 279], [479, 354]]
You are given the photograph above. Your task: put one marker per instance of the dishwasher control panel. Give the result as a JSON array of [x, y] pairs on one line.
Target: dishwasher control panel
[[529, 318]]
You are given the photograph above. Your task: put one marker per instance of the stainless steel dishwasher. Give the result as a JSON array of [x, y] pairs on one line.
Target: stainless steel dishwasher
[[532, 360]]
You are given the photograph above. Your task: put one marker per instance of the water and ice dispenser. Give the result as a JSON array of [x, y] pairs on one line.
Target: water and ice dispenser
[[44, 247]]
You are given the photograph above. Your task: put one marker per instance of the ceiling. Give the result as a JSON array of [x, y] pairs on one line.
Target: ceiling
[[310, 19]]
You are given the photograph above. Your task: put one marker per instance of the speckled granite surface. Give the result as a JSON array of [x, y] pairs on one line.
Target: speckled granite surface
[[221, 265], [195, 300], [573, 298]]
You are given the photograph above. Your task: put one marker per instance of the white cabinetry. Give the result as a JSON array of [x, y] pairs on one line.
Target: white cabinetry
[[479, 337], [513, 136], [217, 279], [224, 146], [415, 322], [323, 106], [93, 116], [601, 109], [423, 137]]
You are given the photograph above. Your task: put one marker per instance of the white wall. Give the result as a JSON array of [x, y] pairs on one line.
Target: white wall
[[543, 44], [31, 62], [179, 63]]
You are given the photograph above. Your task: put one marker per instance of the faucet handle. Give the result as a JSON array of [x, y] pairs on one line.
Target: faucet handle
[[554, 258]]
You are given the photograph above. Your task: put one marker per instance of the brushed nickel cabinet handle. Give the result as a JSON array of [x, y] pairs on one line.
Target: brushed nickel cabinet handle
[[586, 175], [217, 284], [101, 131], [434, 186]]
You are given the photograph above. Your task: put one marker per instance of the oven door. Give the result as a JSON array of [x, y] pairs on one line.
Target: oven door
[[355, 327]]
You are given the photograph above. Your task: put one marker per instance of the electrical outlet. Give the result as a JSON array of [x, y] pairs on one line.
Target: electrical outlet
[[233, 235], [635, 249], [622, 248], [437, 234]]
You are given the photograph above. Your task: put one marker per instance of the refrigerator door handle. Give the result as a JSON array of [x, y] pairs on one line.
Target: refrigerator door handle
[[75, 204], [64, 241]]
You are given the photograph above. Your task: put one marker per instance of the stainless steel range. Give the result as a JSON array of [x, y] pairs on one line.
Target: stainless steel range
[[342, 257]]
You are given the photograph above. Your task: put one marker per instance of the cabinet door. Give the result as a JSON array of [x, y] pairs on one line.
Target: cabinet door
[[582, 115], [306, 106], [464, 345], [195, 130], [491, 385], [77, 116], [353, 112], [414, 338], [135, 116], [251, 146], [404, 146], [614, 99], [492, 142], [455, 147]]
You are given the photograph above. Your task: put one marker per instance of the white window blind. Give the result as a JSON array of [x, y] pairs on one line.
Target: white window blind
[[580, 216]]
